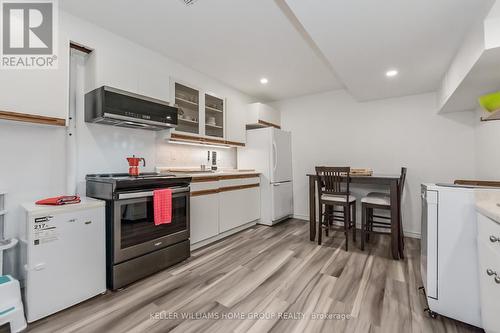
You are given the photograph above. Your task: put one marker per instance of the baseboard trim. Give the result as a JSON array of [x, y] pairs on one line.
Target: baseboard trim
[[409, 234]]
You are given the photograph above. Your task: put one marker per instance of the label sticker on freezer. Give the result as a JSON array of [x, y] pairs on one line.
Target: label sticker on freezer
[[44, 231]]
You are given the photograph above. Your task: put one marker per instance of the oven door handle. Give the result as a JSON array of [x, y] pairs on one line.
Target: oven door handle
[[135, 195]]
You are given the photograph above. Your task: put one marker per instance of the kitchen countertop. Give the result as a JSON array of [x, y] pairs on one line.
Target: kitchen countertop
[[220, 174], [487, 203]]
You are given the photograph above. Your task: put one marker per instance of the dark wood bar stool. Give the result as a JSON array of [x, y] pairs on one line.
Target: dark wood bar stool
[[381, 201], [333, 190]]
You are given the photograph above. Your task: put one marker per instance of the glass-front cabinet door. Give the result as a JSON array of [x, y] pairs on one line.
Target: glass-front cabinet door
[[199, 112], [214, 116], [188, 101]]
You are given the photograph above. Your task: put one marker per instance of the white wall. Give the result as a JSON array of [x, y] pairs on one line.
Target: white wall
[[333, 129], [487, 149], [32, 166]]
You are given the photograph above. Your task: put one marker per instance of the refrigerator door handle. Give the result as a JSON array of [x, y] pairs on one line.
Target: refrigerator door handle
[[275, 156]]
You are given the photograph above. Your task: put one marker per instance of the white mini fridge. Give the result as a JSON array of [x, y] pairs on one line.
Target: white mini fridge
[[269, 151], [63, 256], [449, 258]]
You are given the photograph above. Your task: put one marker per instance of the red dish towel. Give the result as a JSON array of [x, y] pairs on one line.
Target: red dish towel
[[162, 200], [62, 200]]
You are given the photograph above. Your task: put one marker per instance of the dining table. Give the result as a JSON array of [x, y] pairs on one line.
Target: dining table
[[390, 181]]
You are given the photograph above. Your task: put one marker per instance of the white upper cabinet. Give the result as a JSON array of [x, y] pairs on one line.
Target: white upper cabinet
[[474, 70], [154, 83], [104, 69], [208, 114], [260, 114], [236, 121]]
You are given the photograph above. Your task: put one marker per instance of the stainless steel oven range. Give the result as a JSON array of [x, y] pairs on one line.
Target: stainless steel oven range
[[135, 246]]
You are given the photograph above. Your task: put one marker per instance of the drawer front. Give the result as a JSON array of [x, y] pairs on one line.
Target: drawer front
[[489, 284], [203, 186], [489, 233], [237, 182]]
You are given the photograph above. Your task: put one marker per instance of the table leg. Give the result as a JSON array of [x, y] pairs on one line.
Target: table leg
[[400, 224], [312, 209], [394, 220]]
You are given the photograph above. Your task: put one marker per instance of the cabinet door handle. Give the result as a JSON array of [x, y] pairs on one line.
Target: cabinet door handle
[[497, 279], [494, 239], [491, 272]]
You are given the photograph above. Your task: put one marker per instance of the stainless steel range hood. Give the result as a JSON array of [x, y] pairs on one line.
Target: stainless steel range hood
[[115, 107]]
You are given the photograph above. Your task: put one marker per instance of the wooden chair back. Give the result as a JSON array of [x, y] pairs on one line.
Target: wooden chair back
[[333, 180]]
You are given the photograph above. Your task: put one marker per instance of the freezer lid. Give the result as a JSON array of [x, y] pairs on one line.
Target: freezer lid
[[281, 156]]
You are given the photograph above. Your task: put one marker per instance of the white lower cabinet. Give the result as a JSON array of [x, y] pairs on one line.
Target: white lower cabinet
[[204, 217], [222, 207], [489, 272], [239, 207]]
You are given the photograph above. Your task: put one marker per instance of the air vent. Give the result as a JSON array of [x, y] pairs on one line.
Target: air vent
[[189, 2]]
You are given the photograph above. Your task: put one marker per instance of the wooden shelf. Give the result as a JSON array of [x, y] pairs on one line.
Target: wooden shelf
[[204, 140], [495, 115], [186, 101], [188, 121], [214, 126], [34, 119], [213, 109]]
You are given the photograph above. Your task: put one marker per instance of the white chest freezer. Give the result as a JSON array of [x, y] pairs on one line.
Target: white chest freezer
[[63, 256]]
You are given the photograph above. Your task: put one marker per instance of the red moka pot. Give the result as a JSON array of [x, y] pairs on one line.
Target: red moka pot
[[133, 163]]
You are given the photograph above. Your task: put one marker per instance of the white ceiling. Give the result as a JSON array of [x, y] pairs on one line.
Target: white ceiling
[[301, 46], [237, 42], [363, 39]]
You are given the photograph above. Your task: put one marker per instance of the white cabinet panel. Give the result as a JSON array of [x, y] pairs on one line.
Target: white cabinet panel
[[489, 263], [488, 228], [204, 217], [489, 272], [104, 68], [263, 112], [236, 120], [238, 208]]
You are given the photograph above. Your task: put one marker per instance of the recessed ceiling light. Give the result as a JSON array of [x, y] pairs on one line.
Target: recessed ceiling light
[[391, 73], [264, 80]]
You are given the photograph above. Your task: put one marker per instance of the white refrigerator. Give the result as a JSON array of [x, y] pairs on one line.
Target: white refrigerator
[[269, 151]]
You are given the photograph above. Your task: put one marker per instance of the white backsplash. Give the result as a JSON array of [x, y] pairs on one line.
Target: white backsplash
[[186, 156]]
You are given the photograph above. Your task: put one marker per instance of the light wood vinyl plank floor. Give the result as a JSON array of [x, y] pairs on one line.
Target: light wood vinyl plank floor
[[269, 270]]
